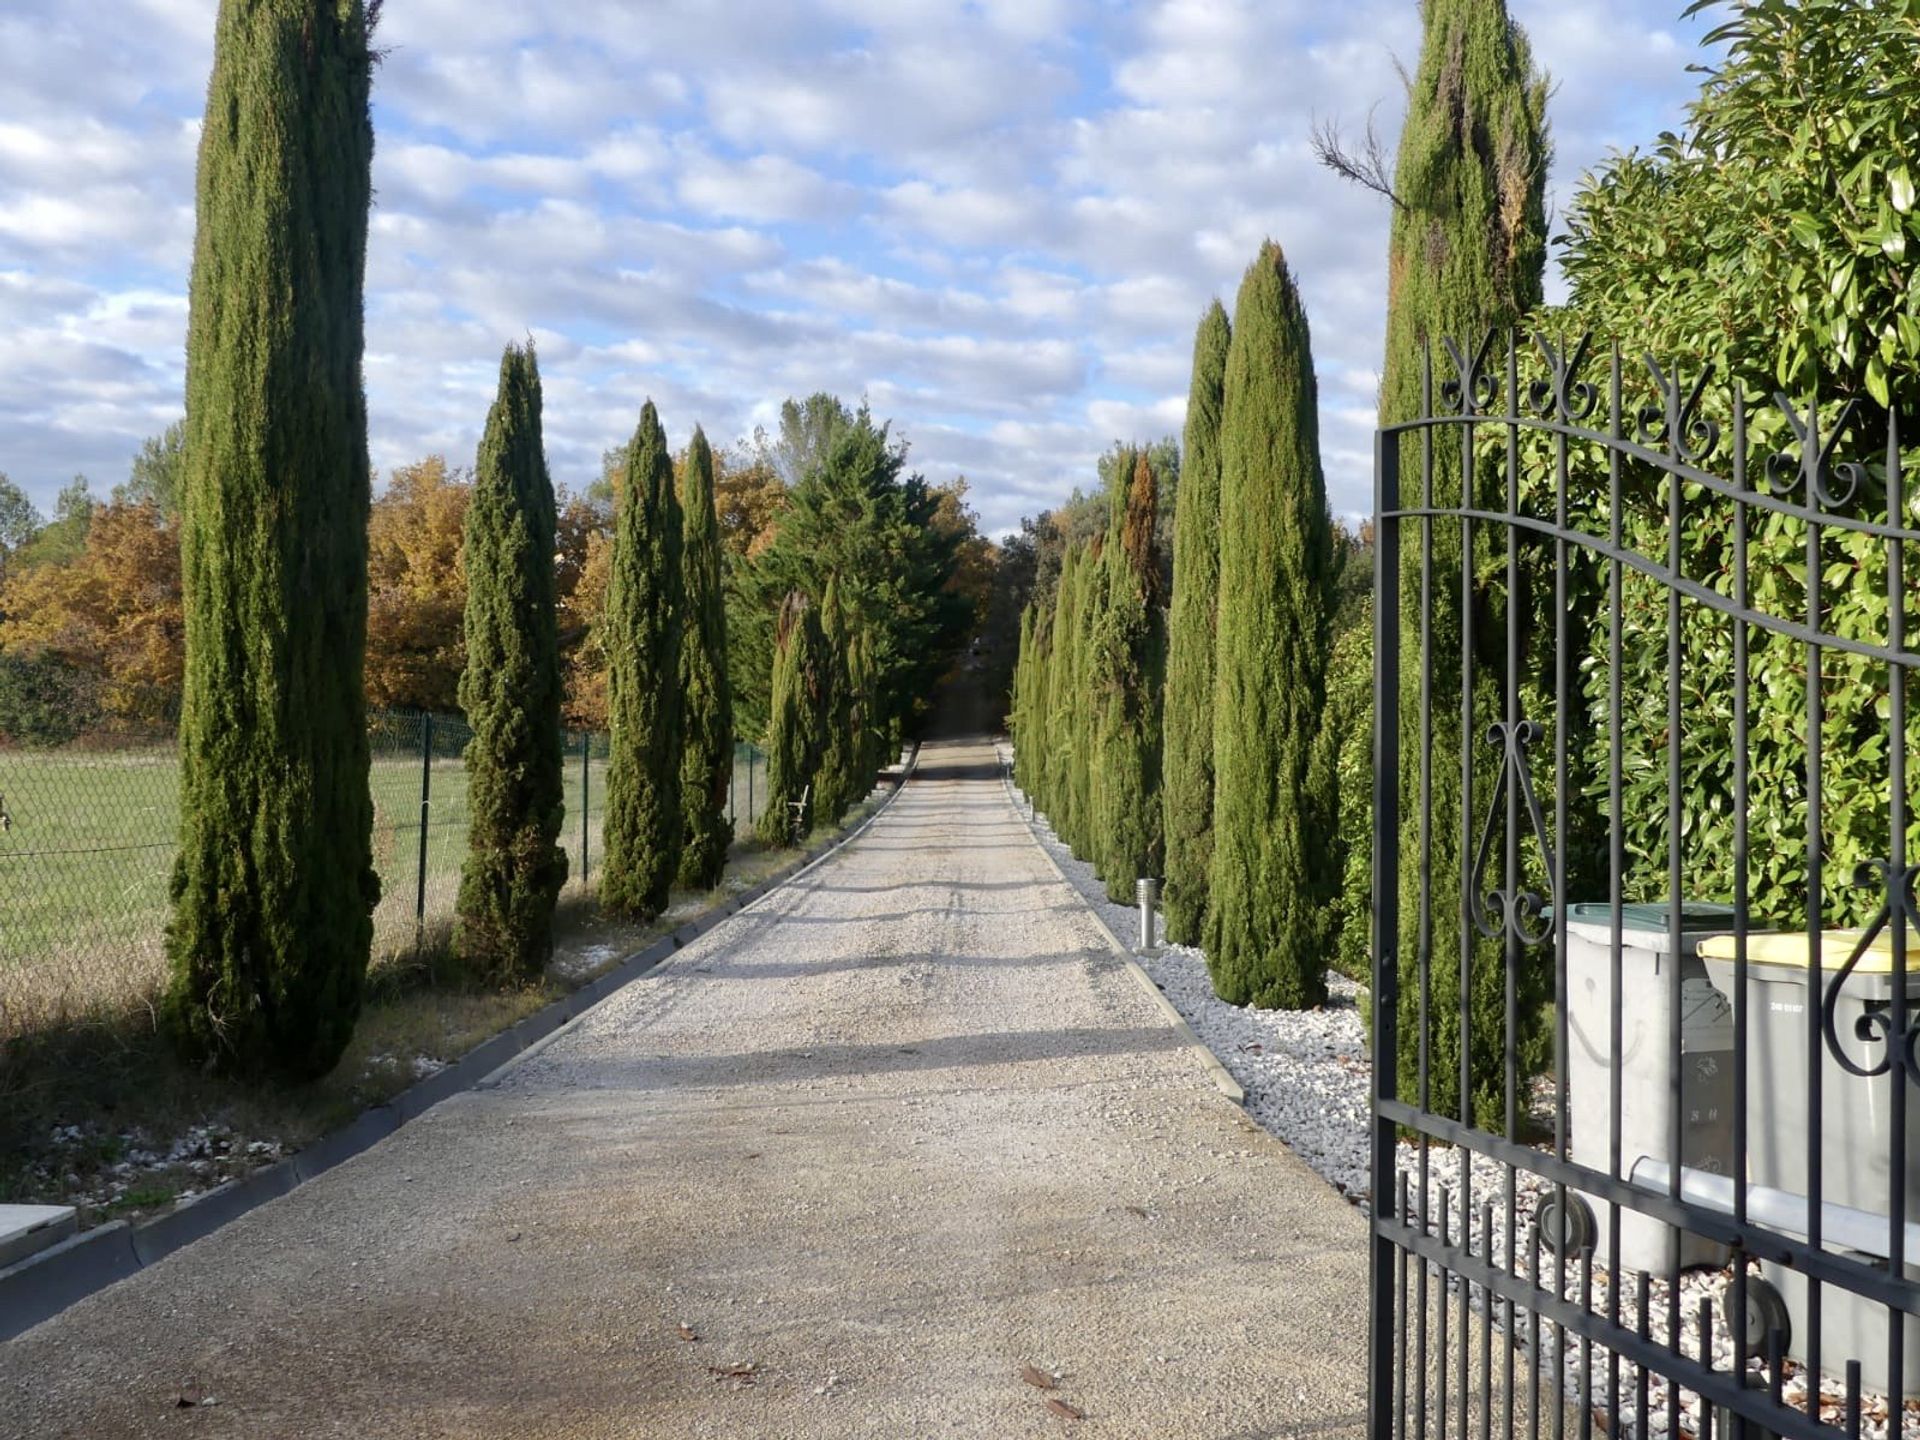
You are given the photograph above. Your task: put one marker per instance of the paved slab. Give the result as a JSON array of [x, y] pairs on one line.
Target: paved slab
[[28, 1229], [897, 1132]]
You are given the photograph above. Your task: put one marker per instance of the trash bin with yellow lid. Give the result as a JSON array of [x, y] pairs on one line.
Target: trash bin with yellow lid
[[1856, 1139]]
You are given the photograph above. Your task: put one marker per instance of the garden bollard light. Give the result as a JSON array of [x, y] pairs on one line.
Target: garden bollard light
[[1149, 893]]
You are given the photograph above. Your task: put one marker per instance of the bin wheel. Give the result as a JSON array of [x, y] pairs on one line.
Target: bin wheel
[[1766, 1312], [1571, 1233]]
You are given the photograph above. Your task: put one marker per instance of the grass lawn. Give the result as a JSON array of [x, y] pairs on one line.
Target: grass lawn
[[88, 847], [94, 1108]]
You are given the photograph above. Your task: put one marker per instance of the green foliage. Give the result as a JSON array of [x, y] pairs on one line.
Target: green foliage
[[643, 629], [1084, 774], [63, 539], [45, 699], [1775, 236], [1769, 242], [1348, 731], [706, 760], [158, 470], [795, 737], [857, 514], [1063, 676], [19, 522], [1274, 874], [274, 887], [1187, 799], [1130, 656], [510, 692], [1465, 257], [837, 781]]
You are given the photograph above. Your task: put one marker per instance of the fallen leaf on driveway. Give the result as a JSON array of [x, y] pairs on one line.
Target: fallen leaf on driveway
[[686, 1331], [1139, 1210], [1064, 1410], [737, 1371], [190, 1395], [1039, 1379]]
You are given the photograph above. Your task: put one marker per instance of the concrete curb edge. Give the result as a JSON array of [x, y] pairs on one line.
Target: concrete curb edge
[[41, 1286], [1217, 1072]]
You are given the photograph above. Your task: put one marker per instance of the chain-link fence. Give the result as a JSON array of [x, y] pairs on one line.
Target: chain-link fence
[[87, 836]]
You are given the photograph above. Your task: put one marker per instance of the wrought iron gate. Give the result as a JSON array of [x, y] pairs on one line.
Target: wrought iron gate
[[1643, 878]]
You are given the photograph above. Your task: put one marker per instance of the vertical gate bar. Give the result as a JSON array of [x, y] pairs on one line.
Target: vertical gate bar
[[586, 802], [1510, 859], [1557, 863], [1442, 1354], [1615, 651], [1426, 849], [1402, 1192], [1425, 738], [1896, 867], [753, 755], [1533, 1340], [1816, 896], [1486, 1326], [1741, 779], [1386, 906], [1586, 1349], [426, 808], [1465, 1152], [1512, 1016], [1676, 664], [1641, 1395]]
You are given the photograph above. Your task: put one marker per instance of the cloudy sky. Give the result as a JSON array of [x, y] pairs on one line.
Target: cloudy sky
[[997, 219]]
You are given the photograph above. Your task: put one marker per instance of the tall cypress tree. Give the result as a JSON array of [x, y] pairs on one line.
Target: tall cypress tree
[[273, 886], [837, 779], [1187, 788], [794, 738], [510, 691], [863, 685], [706, 757], [1128, 689], [1466, 257], [643, 627], [1274, 873]]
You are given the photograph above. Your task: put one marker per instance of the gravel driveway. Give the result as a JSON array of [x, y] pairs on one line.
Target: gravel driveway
[[841, 1168]]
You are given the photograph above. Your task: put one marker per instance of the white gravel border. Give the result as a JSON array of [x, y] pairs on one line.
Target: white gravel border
[[1305, 1072], [1308, 1075]]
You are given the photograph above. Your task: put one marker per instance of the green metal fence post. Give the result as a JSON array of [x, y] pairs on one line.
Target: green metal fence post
[[426, 808], [586, 799], [752, 755]]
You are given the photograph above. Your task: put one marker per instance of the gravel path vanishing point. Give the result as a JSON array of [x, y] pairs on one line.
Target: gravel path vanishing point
[[843, 1167]]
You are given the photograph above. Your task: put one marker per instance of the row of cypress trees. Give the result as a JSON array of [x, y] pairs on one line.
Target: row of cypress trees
[[1185, 738], [1255, 834], [274, 887], [670, 708], [1088, 686]]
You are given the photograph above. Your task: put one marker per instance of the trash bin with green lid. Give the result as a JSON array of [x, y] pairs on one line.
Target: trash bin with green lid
[[1645, 1063], [1855, 1126]]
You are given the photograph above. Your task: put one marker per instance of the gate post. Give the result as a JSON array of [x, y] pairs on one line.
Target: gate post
[[586, 800], [426, 807], [1386, 923]]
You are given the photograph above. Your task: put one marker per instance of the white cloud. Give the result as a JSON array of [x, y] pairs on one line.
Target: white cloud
[[1000, 219]]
